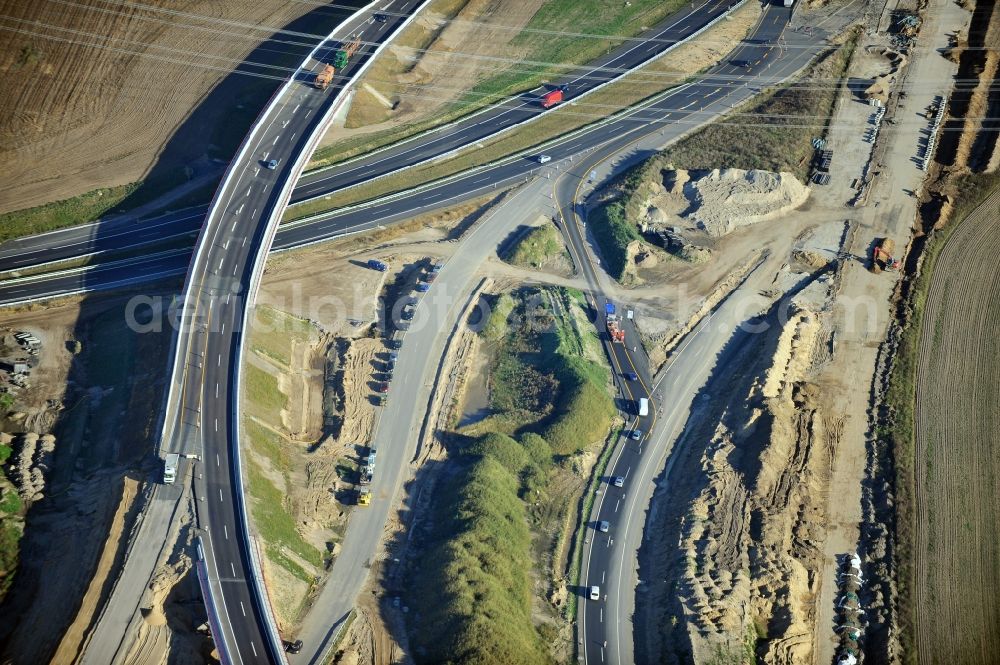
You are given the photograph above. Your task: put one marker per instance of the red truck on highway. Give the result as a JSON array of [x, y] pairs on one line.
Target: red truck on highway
[[552, 97]]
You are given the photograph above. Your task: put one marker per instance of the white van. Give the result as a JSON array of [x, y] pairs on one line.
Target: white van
[[643, 406], [595, 593]]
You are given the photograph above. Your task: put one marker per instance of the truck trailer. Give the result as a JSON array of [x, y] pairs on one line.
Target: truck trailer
[[551, 98], [170, 464], [324, 78], [615, 331]]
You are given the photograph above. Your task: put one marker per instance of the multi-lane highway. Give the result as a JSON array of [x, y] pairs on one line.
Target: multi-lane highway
[[205, 383], [224, 268], [675, 112], [123, 234], [616, 519], [517, 110]]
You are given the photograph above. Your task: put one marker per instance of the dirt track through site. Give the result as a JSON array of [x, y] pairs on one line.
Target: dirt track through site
[[957, 435]]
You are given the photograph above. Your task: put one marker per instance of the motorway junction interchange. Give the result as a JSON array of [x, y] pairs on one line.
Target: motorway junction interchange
[[515, 332]]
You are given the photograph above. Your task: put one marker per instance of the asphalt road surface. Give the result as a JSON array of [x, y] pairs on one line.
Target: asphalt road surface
[[111, 236], [676, 112], [631, 369], [436, 315], [607, 581], [208, 344], [524, 107]]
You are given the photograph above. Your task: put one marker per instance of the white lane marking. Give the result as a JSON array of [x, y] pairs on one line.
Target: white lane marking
[[223, 328], [216, 424], [242, 607], [218, 462], [602, 615], [256, 171], [603, 574], [220, 494], [220, 262], [275, 139], [234, 226], [293, 135], [296, 108], [248, 194], [232, 568], [225, 245], [254, 213], [235, 267], [219, 362], [244, 241], [627, 471], [227, 297], [617, 503], [225, 531], [240, 209], [254, 649]]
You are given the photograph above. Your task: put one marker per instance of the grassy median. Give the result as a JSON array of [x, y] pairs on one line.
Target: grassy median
[[562, 33], [510, 507]]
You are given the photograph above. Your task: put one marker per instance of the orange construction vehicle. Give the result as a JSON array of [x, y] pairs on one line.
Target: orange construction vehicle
[[615, 332], [882, 256], [324, 78], [340, 58]]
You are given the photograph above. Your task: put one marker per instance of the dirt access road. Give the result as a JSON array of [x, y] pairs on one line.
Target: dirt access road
[[957, 435], [862, 315]]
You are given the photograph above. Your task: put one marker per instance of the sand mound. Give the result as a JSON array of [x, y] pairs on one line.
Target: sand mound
[[725, 200]]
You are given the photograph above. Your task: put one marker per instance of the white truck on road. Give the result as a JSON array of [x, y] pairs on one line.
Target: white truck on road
[[643, 407], [170, 464]]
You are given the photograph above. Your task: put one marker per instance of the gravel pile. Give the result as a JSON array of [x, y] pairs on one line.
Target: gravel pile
[[725, 200]]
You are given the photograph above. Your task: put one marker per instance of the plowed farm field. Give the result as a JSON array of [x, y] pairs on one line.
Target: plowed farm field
[[94, 92], [957, 468]]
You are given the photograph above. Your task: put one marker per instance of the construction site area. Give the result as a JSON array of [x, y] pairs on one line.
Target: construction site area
[[725, 398]]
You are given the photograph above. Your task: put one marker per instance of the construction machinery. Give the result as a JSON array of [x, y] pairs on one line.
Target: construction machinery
[[615, 332], [882, 256], [367, 473], [365, 497], [340, 58], [324, 78], [344, 53]]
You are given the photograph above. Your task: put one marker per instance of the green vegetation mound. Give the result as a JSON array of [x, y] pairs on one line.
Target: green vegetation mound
[[584, 411], [474, 592], [613, 233], [541, 379], [535, 248]]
